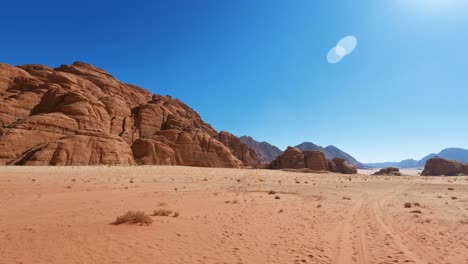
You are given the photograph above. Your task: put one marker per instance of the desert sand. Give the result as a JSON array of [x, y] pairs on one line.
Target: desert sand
[[64, 215]]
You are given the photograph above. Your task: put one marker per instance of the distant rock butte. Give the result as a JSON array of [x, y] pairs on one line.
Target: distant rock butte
[[81, 115], [437, 167], [294, 158], [332, 152]]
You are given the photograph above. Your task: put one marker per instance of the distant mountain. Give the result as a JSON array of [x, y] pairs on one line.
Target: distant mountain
[[332, 152], [265, 151], [457, 154]]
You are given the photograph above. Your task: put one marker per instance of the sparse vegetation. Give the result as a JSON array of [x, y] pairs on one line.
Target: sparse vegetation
[[271, 192], [277, 197], [416, 212], [450, 189], [346, 198], [161, 212], [133, 217], [408, 205], [416, 204], [454, 198]]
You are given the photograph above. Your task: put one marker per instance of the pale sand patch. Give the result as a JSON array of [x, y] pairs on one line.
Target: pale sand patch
[[228, 216]]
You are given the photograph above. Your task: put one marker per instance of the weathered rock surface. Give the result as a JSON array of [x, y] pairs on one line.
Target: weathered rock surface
[[294, 158], [343, 166], [81, 115], [390, 171], [438, 167]]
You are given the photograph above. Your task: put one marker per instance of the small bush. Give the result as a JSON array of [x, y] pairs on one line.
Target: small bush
[[416, 204], [161, 212], [277, 197], [133, 217], [416, 212], [176, 214], [271, 192], [407, 205], [450, 189], [454, 198]]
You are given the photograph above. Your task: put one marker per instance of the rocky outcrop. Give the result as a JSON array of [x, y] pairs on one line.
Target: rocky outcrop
[[241, 150], [438, 167], [389, 171], [343, 166], [294, 158], [81, 115], [265, 151]]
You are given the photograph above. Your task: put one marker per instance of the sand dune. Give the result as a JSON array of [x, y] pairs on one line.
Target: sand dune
[[63, 215]]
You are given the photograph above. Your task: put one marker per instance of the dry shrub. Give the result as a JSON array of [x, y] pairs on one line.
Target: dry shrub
[[161, 212], [271, 192], [454, 198], [133, 217], [450, 189], [277, 197], [176, 214], [407, 205], [416, 204], [416, 212]]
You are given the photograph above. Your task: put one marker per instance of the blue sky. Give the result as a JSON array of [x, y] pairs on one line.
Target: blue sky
[[259, 67]]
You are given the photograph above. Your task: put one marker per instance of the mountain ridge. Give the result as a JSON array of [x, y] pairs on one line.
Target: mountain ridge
[[457, 154]]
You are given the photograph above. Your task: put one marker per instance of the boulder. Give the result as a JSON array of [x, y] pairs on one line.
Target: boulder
[[389, 171], [343, 166], [438, 167]]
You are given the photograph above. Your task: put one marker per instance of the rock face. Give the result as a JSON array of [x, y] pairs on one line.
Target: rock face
[[265, 151], [343, 166], [81, 115], [294, 158], [438, 166], [390, 171]]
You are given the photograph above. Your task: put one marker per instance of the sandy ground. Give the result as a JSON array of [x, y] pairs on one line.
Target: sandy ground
[[63, 215]]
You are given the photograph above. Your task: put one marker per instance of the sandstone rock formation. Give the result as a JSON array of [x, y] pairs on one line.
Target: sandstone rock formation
[[81, 115], [438, 167], [294, 158], [343, 166], [389, 171]]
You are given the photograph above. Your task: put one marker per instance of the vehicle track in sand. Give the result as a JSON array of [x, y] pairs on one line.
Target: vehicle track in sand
[[368, 237]]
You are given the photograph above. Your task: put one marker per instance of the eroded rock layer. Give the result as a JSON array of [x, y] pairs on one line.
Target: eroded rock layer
[[314, 160], [81, 115]]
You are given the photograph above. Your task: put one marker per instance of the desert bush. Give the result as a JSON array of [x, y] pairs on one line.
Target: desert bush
[[416, 212], [161, 212], [133, 217], [407, 205]]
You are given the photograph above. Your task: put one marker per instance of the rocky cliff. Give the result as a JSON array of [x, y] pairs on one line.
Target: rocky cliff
[[81, 115]]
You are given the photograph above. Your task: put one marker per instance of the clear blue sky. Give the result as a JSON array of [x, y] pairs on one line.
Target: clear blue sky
[[259, 67]]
